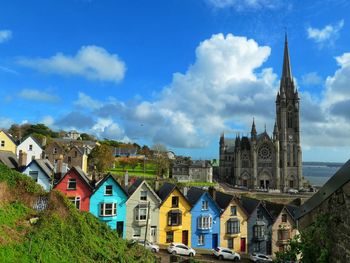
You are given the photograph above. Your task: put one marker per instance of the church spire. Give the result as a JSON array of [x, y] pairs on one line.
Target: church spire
[[253, 132], [286, 70]]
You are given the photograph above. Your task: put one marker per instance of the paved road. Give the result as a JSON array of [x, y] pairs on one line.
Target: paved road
[[203, 258]]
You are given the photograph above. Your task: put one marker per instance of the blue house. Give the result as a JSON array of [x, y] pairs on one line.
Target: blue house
[[107, 203], [205, 223], [260, 223]]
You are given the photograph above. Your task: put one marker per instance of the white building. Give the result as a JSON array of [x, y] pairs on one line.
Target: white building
[[31, 148], [41, 171]]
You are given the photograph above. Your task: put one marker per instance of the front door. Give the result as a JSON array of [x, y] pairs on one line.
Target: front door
[[215, 241], [120, 227], [185, 237], [153, 234], [243, 243]]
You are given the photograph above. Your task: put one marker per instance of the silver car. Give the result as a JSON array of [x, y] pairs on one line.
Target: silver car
[[259, 258]]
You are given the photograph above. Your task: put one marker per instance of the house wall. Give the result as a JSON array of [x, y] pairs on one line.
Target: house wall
[[132, 224], [35, 153], [337, 205], [43, 180], [77, 159], [82, 189], [265, 244], [241, 216], [196, 212], [9, 144], [290, 225], [118, 197], [185, 207], [49, 152]]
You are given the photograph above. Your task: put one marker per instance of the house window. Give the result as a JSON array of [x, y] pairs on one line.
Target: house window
[[54, 150], [201, 240], [141, 213], [204, 222], [2, 143], [233, 226], [108, 209], [69, 159], [34, 175], [284, 218], [72, 184], [75, 154], [109, 190], [136, 232], [256, 247], [258, 231], [169, 236], [233, 210], [283, 234], [30, 147], [174, 218], [230, 243], [205, 205], [143, 195], [175, 201], [75, 201]]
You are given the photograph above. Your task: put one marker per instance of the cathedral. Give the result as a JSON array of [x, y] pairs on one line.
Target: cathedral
[[260, 161]]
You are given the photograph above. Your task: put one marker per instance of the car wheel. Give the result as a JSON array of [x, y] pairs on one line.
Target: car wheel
[[174, 252], [154, 250], [221, 257], [191, 254], [235, 259]]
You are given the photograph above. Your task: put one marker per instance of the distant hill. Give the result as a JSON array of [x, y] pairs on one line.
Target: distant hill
[[328, 164], [61, 232]]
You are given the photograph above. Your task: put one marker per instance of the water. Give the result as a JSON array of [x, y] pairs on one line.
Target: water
[[318, 175]]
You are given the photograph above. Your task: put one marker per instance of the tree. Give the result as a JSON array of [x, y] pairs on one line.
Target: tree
[[87, 137], [133, 162], [161, 160], [101, 158]]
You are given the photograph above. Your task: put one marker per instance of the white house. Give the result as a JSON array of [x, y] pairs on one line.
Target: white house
[[31, 150], [40, 170]]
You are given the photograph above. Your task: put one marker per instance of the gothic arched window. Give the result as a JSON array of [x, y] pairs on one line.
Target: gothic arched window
[[290, 118]]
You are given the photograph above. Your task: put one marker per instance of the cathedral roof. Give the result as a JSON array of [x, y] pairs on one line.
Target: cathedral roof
[[245, 143], [263, 135]]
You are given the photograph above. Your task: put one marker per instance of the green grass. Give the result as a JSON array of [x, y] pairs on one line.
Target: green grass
[[196, 184], [62, 234], [138, 171]]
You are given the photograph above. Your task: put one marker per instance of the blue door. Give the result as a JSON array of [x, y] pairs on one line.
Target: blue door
[[215, 241]]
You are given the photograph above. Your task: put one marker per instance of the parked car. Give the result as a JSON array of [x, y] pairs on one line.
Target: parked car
[[292, 191], [150, 246], [259, 258], [181, 249], [226, 253]]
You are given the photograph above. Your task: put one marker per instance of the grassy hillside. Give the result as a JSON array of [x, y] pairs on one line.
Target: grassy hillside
[[61, 234]]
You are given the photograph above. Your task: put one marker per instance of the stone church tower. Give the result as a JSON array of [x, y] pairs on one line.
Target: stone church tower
[[261, 161]]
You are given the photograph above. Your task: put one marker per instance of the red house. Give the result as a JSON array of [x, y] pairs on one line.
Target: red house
[[76, 186]]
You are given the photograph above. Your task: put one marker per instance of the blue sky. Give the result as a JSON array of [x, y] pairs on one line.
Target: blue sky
[[178, 72]]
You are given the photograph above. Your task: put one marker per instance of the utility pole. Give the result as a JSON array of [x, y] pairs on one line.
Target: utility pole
[[147, 220]]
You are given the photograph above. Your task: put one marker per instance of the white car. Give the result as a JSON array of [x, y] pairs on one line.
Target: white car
[[150, 246], [259, 258], [226, 253], [181, 249], [292, 191]]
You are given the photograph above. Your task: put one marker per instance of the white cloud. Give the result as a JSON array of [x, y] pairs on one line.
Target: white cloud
[[86, 101], [5, 35], [106, 128], [311, 78], [5, 122], [326, 35], [245, 4], [91, 62], [47, 120], [38, 95]]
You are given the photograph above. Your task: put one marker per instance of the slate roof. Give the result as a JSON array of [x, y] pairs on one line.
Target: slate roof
[[80, 173], [194, 194], [9, 159], [33, 138], [10, 136], [341, 177], [165, 191], [137, 184], [223, 200], [44, 165], [274, 209], [249, 204]]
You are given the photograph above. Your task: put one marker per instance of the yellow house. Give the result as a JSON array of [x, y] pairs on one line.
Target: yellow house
[[233, 222], [174, 216], [7, 143]]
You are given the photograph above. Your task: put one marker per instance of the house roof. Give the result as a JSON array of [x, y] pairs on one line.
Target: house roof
[[224, 200], [166, 190], [137, 184], [10, 136], [274, 209], [249, 204], [30, 136], [44, 165], [80, 173], [9, 159], [341, 177], [195, 193], [100, 183]]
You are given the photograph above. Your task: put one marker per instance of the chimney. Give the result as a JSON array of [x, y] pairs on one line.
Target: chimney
[[126, 179], [185, 190], [22, 159], [156, 184], [212, 192]]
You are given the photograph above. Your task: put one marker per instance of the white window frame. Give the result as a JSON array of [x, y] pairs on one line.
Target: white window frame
[[104, 208], [136, 232], [201, 240], [205, 222], [138, 214], [71, 180], [143, 195], [34, 175], [75, 200], [205, 205], [111, 189]]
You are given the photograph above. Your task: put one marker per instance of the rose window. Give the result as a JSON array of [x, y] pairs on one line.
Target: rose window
[[264, 152]]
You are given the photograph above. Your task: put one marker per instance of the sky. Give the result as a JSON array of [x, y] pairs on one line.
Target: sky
[[176, 72]]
